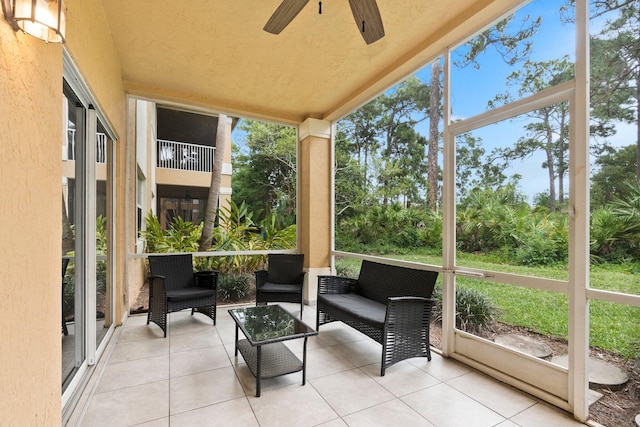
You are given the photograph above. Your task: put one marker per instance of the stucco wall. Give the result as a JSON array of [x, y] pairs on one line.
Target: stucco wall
[[30, 226], [31, 124]]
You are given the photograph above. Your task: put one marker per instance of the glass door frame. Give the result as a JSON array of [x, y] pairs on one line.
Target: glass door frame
[[85, 212]]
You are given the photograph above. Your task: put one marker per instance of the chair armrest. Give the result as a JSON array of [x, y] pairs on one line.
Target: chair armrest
[[206, 279], [336, 285], [409, 311], [261, 278], [156, 287]]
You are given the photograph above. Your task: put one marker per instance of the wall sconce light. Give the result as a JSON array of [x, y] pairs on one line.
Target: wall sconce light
[[43, 19]]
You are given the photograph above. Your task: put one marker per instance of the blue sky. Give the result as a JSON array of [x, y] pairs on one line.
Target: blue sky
[[472, 88]]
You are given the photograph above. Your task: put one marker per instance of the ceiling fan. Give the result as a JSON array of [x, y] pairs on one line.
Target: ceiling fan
[[365, 13]]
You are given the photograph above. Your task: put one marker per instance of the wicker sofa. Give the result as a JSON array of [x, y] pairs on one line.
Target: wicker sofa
[[388, 303]]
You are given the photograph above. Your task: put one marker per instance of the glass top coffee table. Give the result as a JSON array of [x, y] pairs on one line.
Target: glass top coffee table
[[265, 329]]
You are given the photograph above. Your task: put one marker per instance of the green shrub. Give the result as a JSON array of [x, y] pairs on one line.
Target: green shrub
[[347, 270], [475, 312], [233, 286]]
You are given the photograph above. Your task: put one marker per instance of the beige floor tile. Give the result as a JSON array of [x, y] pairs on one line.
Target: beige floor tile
[[136, 320], [351, 391], [236, 412], [393, 413], [193, 378], [444, 406], [203, 389], [182, 322], [142, 331], [402, 378], [162, 422], [194, 340], [295, 405], [134, 372], [128, 406], [361, 353], [199, 360], [248, 381], [131, 350], [543, 415], [440, 367], [338, 333], [507, 423], [326, 361], [334, 423], [501, 398]]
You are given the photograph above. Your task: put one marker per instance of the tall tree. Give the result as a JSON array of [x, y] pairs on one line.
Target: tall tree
[[264, 176], [547, 127], [616, 93], [511, 39], [612, 173], [402, 108], [434, 120], [214, 189], [361, 127], [351, 195], [615, 65]]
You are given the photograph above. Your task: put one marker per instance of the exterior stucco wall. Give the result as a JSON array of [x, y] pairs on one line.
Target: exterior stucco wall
[[31, 123], [30, 226]]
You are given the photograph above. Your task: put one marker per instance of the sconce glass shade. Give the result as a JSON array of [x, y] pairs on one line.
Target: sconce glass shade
[[43, 19]]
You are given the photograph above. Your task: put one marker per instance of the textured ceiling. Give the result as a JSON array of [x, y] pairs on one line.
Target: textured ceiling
[[214, 55]]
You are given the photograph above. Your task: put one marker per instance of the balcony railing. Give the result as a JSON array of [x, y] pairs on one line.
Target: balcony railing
[[101, 146], [184, 156]]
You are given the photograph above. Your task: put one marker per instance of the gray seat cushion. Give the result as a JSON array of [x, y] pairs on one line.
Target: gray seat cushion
[[281, 288], [367, 310], [189, 293]]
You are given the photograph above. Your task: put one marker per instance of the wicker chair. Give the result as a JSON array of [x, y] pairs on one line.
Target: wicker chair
[[388, 303], [173, 286], [282, 281]]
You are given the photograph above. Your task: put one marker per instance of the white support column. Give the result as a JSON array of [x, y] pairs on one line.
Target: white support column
[[448, 218], [579, 222]]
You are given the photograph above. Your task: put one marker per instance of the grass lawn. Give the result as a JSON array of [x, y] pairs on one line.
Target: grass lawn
[[613, 327]]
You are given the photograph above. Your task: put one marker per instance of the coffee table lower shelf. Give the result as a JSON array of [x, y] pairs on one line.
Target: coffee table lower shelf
[[269, 361]]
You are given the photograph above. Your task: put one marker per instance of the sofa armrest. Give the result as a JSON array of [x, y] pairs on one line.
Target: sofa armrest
[[335, 285], [206, 279], [409, 311]]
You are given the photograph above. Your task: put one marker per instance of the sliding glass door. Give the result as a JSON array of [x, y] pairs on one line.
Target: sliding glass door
[[87, 224]]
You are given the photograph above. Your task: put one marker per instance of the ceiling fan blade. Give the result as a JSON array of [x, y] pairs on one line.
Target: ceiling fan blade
[[368, 19], [284, 14]]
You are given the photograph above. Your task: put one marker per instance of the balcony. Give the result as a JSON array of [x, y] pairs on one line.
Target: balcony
[[184, 156], [193, 378], [101, 146]]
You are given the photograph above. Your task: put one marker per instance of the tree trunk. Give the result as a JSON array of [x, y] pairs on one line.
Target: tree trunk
[[214, 189], [550, 166], [638, 122], [561, 164], [68, 240], [434, 119]]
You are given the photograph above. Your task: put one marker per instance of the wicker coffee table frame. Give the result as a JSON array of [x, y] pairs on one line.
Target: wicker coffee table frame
[[270, 357]]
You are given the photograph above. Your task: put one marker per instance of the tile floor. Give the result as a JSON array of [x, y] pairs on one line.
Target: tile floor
[[193, 378]]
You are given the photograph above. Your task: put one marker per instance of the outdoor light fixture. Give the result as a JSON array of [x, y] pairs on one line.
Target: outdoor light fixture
[[43, 19]]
